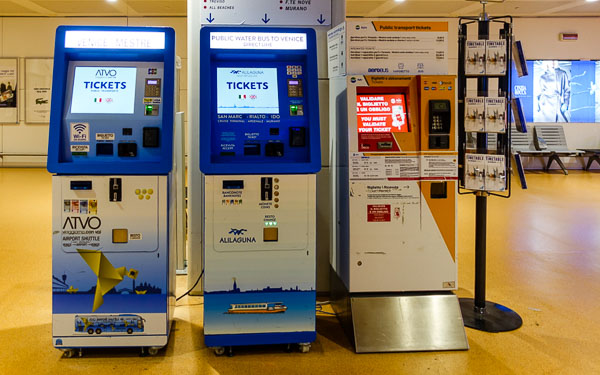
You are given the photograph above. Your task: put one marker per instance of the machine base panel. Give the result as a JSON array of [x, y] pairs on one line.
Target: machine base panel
[[260, 339], [399, 322]]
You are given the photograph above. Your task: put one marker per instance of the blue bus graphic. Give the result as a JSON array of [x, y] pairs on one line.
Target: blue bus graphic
[[122, 323]]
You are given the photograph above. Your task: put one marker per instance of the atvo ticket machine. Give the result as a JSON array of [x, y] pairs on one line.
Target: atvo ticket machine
[[394, 175], [110, 148], [259, 151]]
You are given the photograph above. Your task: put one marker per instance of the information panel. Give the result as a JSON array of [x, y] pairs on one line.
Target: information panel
[[388, 47]]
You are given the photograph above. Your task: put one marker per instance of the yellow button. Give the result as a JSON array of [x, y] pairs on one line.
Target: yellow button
[[276, 199], [137, 191], [270, 234], [276, 193], [150, 191], [276, 206], [120, 235], [276, 187], [144, 191], [276, 180], [147, 197], [141, 196]]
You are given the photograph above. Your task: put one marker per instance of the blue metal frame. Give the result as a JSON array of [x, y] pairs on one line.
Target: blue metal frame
[[63, 55], [207, 90]]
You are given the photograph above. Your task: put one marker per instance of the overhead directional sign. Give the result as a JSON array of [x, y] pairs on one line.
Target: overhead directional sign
[[266, 12]]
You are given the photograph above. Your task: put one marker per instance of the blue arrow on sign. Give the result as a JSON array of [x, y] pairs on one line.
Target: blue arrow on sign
[[210, 18], [266, 20], [321, 19]]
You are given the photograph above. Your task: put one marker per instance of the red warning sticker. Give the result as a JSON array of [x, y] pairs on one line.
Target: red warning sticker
[[379, 213]]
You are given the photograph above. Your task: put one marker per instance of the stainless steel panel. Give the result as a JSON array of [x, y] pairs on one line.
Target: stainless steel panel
[[412, 322]]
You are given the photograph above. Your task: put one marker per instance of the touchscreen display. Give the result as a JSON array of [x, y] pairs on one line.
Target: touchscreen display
[[104, 90], [247, 91]]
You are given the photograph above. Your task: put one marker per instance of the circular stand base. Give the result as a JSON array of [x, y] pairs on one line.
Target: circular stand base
[[495, 318]]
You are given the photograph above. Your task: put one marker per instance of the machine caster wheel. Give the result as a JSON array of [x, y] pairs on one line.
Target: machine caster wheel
[[68, 353], [80, 352], [230, 351], [153, 351], [304, 347], [219, 351]]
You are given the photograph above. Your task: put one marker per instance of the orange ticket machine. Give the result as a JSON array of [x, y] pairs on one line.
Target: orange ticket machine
[[394, 170]]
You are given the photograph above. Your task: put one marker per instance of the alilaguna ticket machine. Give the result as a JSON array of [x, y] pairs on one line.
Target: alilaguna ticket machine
[[259, 151], [110, 149], [394, 174]]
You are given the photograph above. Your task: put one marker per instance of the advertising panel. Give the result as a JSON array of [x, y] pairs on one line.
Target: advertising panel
[[559, 91]]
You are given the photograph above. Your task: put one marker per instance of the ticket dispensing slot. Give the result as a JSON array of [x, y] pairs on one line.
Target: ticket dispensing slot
[[252, 148], [440, 118], [104, 149]]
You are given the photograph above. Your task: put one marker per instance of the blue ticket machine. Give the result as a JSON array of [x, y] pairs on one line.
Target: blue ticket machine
[[260, 152], [110, 150]]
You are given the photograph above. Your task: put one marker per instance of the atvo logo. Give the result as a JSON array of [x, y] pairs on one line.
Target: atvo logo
[[92, 222], [106, 73]]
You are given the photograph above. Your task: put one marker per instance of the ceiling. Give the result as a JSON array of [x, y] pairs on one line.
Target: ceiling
[[96, 8], [355, 8], [433, 8]]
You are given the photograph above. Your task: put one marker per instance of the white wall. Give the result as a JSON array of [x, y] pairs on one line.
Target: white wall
[[25, 37]]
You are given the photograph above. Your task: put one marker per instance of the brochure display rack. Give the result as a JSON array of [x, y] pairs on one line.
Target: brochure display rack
[[483, 114]]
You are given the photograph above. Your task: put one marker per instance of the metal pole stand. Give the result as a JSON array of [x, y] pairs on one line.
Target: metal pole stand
[[477, 312]]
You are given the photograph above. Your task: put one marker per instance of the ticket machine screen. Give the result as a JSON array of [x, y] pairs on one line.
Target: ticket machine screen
[[382, 113], [99, 89], [247, 90]]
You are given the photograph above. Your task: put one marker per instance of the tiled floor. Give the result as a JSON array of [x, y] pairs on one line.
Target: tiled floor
[[543, 261]]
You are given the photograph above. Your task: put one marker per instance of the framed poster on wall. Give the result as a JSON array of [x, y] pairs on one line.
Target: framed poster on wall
[[38, 90], [9, 111]]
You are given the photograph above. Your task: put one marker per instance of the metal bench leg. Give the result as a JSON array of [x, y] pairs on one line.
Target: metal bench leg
[[591, 160], [555, 157], [520, 170]]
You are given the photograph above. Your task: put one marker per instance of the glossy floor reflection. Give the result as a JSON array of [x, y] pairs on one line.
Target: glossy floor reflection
[[543, 261]]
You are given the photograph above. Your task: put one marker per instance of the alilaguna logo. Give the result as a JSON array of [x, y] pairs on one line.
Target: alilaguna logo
[[238, 237]]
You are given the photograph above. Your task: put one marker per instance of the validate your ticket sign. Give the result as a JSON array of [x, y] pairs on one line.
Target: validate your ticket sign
[[266, 12]]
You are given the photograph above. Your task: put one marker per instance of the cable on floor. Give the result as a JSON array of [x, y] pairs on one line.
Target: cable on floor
[[192, 288]]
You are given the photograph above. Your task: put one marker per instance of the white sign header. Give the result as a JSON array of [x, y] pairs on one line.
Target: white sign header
[[266, 12], [114, 39], [242, 40]]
